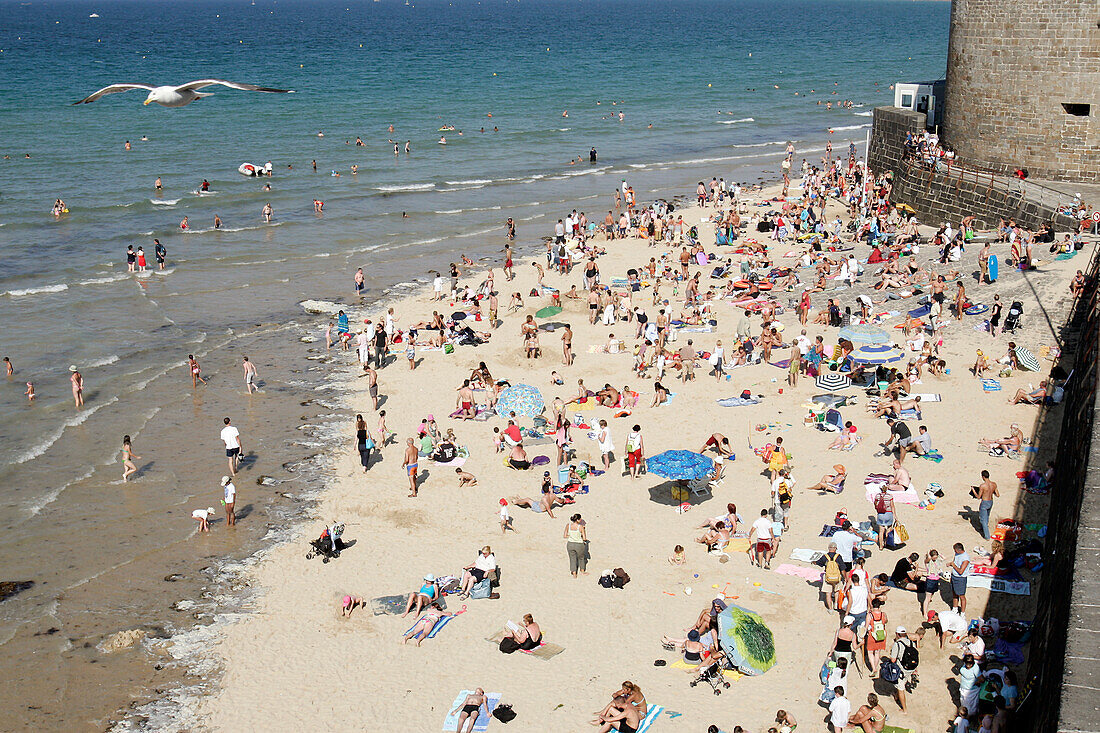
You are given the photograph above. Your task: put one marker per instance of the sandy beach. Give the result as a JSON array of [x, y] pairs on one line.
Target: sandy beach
[[295, 661]]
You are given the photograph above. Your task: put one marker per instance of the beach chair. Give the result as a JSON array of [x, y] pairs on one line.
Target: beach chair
[[831, 421], [700, 486]]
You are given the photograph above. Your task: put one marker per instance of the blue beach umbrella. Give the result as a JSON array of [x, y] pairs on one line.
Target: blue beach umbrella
[[523, 399], [864, 333], [681, 465], [746, 640], [877, 354]]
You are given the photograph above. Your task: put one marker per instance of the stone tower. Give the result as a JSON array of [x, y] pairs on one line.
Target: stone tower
[[1023, 86]]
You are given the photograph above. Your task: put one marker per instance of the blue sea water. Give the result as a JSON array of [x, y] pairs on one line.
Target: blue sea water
[[705, 89]]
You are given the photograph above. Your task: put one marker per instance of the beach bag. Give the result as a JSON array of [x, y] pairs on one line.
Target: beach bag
[[368, 444], [832, 571], [890, 672], [481, 589], [448, 348], [607, 580], [901, 532], [620, 578], [504, 713], [910, 657], [508, 645]]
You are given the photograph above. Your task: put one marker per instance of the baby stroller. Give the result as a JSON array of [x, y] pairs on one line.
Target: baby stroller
[[1013, 317], [328, 545], [713, 675]]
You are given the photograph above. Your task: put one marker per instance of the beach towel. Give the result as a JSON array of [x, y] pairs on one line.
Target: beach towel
[[991, 385], [492, 699], [435, 629], [811, 574], [729, 674], [738, 401], [909, 415], [1066, 255], [933, 455], [804, 555], [828, 530], [544, 651], [738, 544], [590, 404], [926, 397], [482, 413], [909, 496], [456, 462], [784, 364], [896, 729], [695, 329], [652, 713]]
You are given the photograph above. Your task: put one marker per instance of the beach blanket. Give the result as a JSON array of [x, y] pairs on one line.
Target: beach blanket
[[933, 455], [482, 413], [991, 385], [828, 530], [492, 699], [1066, 255], [804, 555], [395, 605], [652, 713], [811, 574], [926, 397], [435, 629], [1009, 652], [456, 462], [989, 570], [668, 399], [590, 404], [737, 544], [695, 329], [909, 415], [545, 651], [738, 401], [1000, 585], [909, 496], [784, 364]]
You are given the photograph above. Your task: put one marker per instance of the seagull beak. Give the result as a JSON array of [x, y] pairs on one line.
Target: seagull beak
[[146, 102]]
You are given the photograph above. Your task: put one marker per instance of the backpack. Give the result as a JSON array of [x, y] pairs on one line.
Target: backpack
[[504, 713], [783, 493], [878, 628], [832, 570], [880, 504], [890, 671], [910, 657]]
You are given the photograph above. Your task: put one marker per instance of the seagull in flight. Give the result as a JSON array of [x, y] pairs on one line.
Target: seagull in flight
[[181, 96]]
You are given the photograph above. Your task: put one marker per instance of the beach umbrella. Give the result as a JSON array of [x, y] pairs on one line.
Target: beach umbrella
[[547, 312], [1026, 359], [833, 381], [680, 465], [522, 399], [877, 354], [747, 641], [865, 333]]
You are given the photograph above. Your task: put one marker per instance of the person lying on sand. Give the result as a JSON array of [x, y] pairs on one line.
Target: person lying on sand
[[545, 503], [831, 481], [1013, 442], [425, 624], [471, 709]]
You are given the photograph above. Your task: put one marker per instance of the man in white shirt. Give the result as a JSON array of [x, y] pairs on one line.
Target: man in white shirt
[[846, 541], [762, 529], [839, 710], [232, 439], [804, 343]]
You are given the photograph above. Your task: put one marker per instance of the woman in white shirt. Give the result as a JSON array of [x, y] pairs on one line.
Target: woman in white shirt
[[485, 563]]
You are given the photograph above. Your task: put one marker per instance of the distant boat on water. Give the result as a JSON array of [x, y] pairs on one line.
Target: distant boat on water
[[94, 15]]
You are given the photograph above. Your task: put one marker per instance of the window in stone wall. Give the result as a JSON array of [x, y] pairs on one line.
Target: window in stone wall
[[1077, 109]]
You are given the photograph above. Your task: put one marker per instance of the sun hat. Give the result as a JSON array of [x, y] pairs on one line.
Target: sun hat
[[931, 615], [504, 502], [693, 635], [72, 367], [849, 620], [225, 480], [901, 630], [430, 578], [347, 601], [210, 509]]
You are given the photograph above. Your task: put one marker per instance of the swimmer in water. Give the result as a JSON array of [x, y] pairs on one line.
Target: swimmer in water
[[318, 205], [205, 185], [396, 149], [315, 165], [442, 140], [391, 128], [127, 144], [217, 222], [354, 169], [267, 186], [320, 133], [30, 392], [408, 148], [144, 139], [183, 224], [8, 368], [156, 184], [267, 213]]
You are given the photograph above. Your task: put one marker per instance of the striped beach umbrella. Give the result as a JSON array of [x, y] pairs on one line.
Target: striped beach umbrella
[[1026, 359], [523, 399], [833, 381], [877, 354], [865, 333]]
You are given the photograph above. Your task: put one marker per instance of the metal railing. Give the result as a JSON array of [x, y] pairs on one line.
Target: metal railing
[[1006, 187]]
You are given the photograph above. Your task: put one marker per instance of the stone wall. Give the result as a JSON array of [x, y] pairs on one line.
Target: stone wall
[[949, 194], [1011, 65]]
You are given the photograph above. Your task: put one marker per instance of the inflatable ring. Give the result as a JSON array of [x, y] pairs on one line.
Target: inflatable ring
[[765, 286], [741, 284]]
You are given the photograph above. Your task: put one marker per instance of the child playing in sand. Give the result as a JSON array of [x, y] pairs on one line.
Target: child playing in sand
[[202, 516], [465, 478], [505, 518], [349, 604], [677, 557]]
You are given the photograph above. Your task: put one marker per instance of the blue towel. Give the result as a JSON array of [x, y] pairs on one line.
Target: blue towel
[[492, 699], [435, 629], [652, 713]]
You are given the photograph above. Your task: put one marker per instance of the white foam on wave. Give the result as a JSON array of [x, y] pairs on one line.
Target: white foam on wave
[[406, 187], [36, 291], [35, 506], [164, 202], [234, 229], [471, 182], [462, 188], [101, 362], [104, 280], [868, 113], [850, 127], [758, 145], [475, 234], [735, 122], [44, 445]]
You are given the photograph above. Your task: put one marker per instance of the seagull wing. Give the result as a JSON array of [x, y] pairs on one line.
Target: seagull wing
[[202, 83], [113, 89]]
